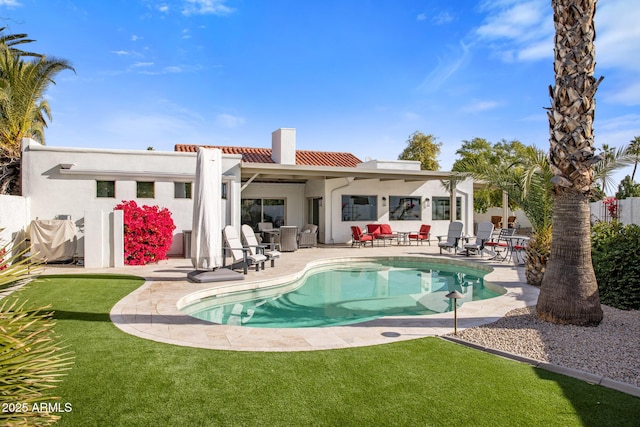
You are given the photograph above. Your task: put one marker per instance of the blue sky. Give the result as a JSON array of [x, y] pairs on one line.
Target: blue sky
[[349, 75]]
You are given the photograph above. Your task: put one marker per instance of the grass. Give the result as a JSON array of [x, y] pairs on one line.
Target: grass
[[122, 380]]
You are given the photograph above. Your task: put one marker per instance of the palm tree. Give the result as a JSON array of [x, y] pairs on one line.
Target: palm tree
[[633, 154], [610, 161], [23, 109], [527, 182], [13, 40], [569, 292]]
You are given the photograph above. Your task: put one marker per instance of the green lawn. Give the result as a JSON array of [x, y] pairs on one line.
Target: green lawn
[[122, 380]]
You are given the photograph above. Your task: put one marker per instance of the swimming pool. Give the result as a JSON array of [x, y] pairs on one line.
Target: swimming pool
[[343, 293]]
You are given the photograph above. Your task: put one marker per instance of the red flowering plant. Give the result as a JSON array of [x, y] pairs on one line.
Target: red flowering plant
[[148, 233], [611, 204], [3, 265]]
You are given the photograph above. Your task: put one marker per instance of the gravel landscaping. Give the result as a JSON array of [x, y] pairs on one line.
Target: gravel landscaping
[[609, 350]]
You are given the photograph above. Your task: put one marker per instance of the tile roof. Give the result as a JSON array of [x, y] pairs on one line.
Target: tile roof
[[263, 155]]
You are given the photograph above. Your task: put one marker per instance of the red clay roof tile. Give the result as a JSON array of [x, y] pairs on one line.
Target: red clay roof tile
[[263, 155]]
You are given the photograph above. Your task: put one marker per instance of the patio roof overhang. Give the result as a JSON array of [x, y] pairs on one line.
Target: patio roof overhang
[[302, 173]]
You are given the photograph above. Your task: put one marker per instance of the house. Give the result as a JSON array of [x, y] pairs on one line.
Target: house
[[279, 184]]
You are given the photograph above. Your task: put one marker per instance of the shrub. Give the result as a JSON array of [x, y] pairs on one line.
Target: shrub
[[31, 361], [615, 251], [148, 233]]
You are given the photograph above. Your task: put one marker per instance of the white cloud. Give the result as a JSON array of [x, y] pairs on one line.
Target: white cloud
[[411, 116], [142, 64], [627, 122], [173, 69], [628, 95], [421, 17], [10, 3], [206, 7], [229, 121], [518, 30], [479, 105], [135, 38], [121, 52], [442, 18], [446, 68], [618, 34], [164, 8]]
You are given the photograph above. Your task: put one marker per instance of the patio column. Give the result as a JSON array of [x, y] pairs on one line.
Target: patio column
[[505, 209]]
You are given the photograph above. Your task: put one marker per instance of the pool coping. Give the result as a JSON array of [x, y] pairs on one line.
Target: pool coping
[[151, 312]]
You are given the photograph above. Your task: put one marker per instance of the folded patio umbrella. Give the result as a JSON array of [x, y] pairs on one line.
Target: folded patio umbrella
[[206, 232]]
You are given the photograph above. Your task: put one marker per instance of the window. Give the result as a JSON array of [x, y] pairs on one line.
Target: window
[[263, 210], [359, 208], [105, 189], [223, 191], [405, 208], [145, 190], [440, 208], [182, 190]]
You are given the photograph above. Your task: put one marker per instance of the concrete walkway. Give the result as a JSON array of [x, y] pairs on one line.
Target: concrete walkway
[[152, 312]]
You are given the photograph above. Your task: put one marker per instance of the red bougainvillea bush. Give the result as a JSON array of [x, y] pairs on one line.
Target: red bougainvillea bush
[[148, 232]]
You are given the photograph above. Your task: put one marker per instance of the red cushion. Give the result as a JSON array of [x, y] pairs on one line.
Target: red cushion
[[419, 236], [373, 229], [365, 237], [385, 229], [501, 244], [424, 228]]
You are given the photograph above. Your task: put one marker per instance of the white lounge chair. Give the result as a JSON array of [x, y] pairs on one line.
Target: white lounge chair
[[483, 235], [240, 254], [453, 237], [251, 242]]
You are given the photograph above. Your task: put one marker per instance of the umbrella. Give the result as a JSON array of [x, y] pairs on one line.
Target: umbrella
[[206, 234]]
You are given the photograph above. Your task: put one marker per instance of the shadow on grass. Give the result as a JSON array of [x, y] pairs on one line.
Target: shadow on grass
[[75, 315]]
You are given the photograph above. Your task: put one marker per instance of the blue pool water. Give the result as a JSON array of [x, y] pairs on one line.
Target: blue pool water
[[347, 293]]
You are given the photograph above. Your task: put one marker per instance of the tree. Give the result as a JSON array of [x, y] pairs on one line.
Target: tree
[[627, 188], [609, 161], [633, 154], [423, 148], [13, 40], [478, 155], [527, 182], [23, 110], [569, 292]]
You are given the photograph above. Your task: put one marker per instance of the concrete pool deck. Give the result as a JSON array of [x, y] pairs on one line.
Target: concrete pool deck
[[151, 311]]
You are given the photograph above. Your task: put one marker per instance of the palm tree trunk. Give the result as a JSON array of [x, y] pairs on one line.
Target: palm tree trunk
[[569, 292]]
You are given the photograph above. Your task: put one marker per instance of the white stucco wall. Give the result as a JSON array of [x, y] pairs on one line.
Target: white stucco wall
[[14, 218], [629, 211], [53, 192]]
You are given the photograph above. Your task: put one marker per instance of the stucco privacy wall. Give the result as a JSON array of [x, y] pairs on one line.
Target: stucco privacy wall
[[62, 181], [14, 218], [629, 210]]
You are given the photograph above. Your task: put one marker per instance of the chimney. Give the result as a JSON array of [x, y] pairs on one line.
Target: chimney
[[283, 146]]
